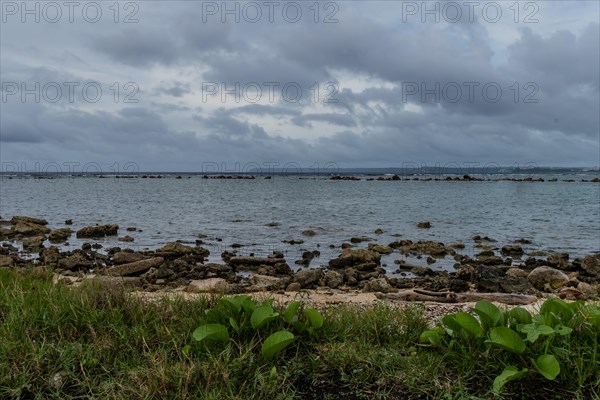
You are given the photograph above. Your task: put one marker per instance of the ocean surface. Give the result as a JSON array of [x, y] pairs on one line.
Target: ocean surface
[[555, 216]]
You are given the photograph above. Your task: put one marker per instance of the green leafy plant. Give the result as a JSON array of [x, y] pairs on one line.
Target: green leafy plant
[[532, 344], [241, 318]]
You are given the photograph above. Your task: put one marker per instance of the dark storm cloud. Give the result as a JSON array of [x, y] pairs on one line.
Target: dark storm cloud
[[374, 59]]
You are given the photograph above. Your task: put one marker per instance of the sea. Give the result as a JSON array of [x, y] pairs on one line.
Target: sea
[[255, 216]]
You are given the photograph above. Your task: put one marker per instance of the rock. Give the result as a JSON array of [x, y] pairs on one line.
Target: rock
[[457, 245], [377, 285], [547, 278], [59, 235], [587, 289], [479, 239], [308, 277], [517, 273], [559, 261], [6, 261], [523, 241], [212, 285], [260, 283], [378, 231], [333, 279], [69, 222], [490, 260], [273, 224], [28, 220], [126, 238], [309, 232], [74, 262], [293, 241], [591, 265], [293, 287], [355, 258], [307, 257], [435, 249], [424, 225], [381, 249], [34, 243], [131, 229], [512, 250], [346, 246], [136, 267], [29, 229], [50, 256], [244, 261], [6, 233], [125, 257], [98, 231], [360, 239], [176, 250]]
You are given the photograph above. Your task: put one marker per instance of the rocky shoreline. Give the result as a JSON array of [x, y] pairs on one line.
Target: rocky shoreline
[[178, 266]]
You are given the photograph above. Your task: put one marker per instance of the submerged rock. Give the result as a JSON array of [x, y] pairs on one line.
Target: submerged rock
[[59, 235], [424, 225]]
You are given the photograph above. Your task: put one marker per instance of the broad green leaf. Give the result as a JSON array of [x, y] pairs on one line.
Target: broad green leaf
[[548, 366], [186, 350], [211, 332], [489, 314], [534, 331], [234, 324], [247, 304], [507, 339], [469, 324], [563, 330], [275, 343], [431, 336], [314, 317], [509, 373], [556, 310], [450, 321], [232, 304], [216, 316], [521, 315], [262, 315], [290, 312]]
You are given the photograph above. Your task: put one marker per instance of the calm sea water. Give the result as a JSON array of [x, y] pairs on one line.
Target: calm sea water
[[555, 216]]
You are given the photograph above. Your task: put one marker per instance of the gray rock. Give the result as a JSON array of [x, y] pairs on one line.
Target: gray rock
[[591, 265], [377, 285], [136, 267], [308, 277], [59, 235], [98, 231], [333, 279], [212, 285], [547, 278], [6, 261], [350, 258], [125, 257]]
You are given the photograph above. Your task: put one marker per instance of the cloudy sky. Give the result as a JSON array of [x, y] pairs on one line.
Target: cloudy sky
[[178, 85]]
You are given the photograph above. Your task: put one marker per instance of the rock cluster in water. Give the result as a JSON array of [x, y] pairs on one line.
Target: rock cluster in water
[[178, 265]]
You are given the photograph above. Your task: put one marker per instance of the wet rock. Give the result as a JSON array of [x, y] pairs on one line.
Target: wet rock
[[307, 257], [512, 250], [176, 250], [559, 261], [17, 219], [292, 242], [424, 225], [457, 245], [333, 279], [6, 233], [74, 262], [547, 278], [490, 260], [127, 256], [346, 246], [356, 258], [98, 231], [378, 231], [381, 249], [6, 261], [309, 232], [360, 239], [591, 265], [377, 285], [59, 235], [212, 285], [435, 249], [126, 238], [135, 268], [22, 227], [273, 224], [308, 277], [69, 222], [86, 247], [34, 243], [523, 241], [479, 239], [131, 229], [517, 273]]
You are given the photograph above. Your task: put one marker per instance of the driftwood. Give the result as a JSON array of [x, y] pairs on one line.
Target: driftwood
[[451, 297]]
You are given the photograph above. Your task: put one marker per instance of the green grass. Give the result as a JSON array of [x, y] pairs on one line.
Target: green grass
[[99, 342]]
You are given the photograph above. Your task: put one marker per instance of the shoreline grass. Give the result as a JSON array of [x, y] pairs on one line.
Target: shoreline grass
[[96, 341]]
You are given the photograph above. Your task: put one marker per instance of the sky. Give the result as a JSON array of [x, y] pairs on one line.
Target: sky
[[209, 86]]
